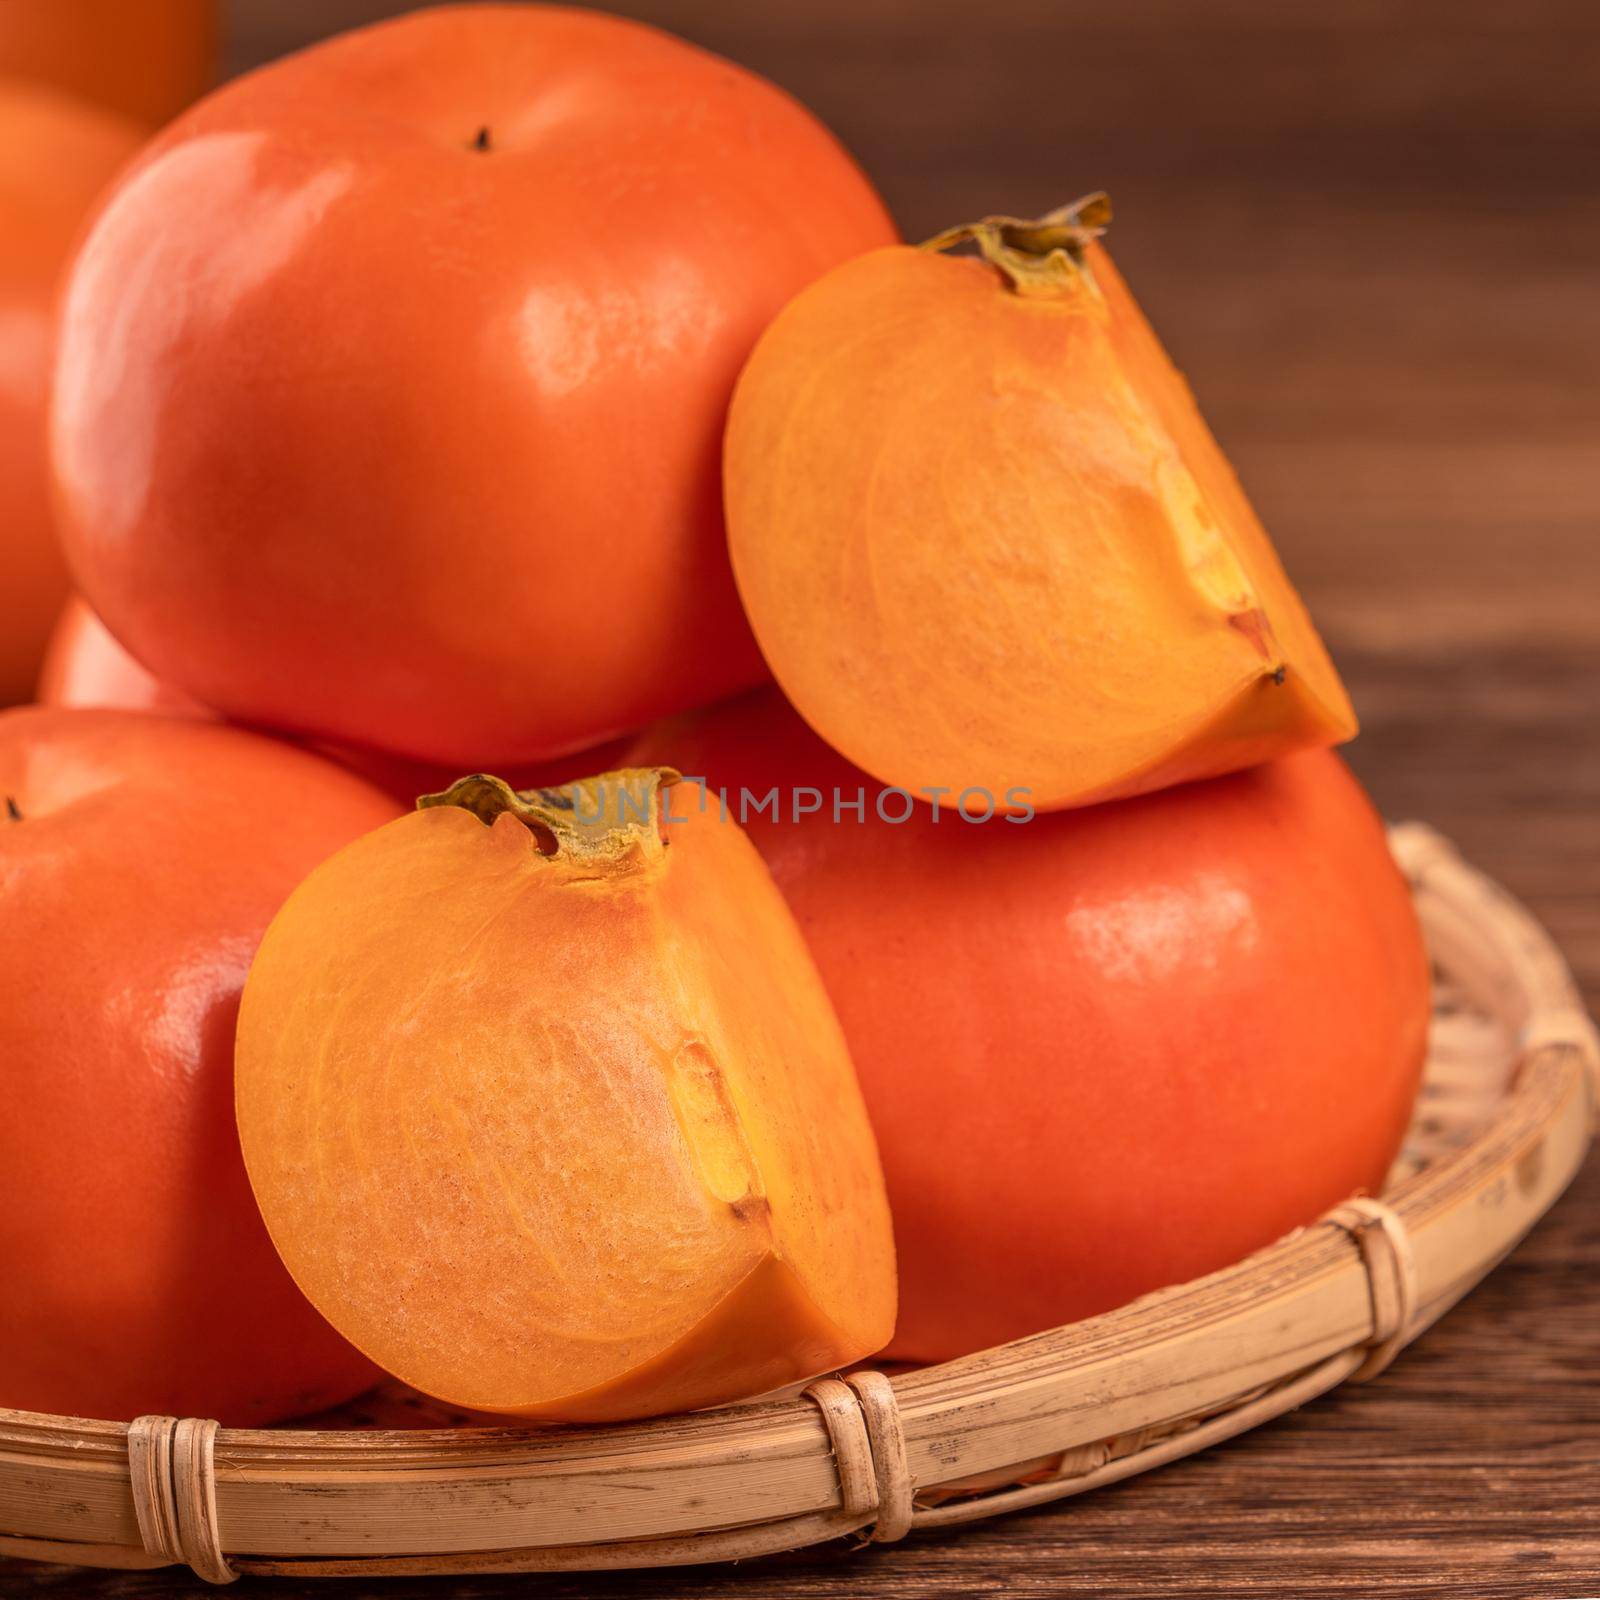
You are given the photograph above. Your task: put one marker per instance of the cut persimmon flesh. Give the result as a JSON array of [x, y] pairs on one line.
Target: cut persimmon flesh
[[549, 1115], [987, 543]]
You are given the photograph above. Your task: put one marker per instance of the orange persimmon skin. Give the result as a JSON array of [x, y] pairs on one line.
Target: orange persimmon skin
[[56, 154], [392, 379], [557, 1135], [985, 541], [143, 862], [1104, 1050], [146, 59]]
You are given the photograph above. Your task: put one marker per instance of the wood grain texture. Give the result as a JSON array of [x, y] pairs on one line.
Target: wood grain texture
[[1371, 234]]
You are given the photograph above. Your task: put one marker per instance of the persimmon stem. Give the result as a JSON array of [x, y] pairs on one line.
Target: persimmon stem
[[1041, 257], [610, 817]]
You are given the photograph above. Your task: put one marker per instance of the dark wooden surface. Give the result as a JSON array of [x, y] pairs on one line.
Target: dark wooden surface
[[1371, 233]]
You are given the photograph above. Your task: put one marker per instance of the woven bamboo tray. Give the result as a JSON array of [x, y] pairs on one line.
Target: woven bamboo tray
[[1502, 1125]]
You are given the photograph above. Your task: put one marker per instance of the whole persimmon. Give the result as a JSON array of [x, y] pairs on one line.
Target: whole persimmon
[[392, 379], [1103, 1050], [146, 59], [552, 1119], [987, 542], [56, 154], [142, 858]]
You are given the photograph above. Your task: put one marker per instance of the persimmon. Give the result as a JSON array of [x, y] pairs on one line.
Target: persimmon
[[145, 59], [392, 379], [142, 859], [986, 541], [552, 1119], [1103, 1050], [56, 154]]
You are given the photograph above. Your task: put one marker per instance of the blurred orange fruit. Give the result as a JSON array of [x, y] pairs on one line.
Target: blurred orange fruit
[[144, 58], [56, 155]]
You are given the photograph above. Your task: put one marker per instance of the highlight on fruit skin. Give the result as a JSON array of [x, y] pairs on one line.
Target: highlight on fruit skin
[[986, 541], [549, 1113]]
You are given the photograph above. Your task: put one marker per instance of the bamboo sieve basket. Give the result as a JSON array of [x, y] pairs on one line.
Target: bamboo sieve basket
[[1502, 1124]]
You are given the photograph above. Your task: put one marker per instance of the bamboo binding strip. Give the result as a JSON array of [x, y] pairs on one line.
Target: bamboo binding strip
[[1502, 1125], [862, 1417], [172, 1473], [1380, 1236]]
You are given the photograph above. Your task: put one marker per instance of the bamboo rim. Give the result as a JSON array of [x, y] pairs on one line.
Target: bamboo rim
[[1502, 1126]]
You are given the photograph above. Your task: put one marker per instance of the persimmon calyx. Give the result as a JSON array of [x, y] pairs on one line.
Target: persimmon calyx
[[1037, 258], [605, 819]]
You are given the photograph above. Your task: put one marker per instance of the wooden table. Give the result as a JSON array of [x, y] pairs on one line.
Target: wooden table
[[1371, 233]]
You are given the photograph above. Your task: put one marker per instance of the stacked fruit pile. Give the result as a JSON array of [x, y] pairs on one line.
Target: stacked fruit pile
[[492, 391]]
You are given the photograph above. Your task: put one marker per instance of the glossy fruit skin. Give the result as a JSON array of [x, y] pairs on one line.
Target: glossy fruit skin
[[149, 856], [144, 59], [423, 341], [987, 542], [1104, 1050], [559, 1122], [56, 154]]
